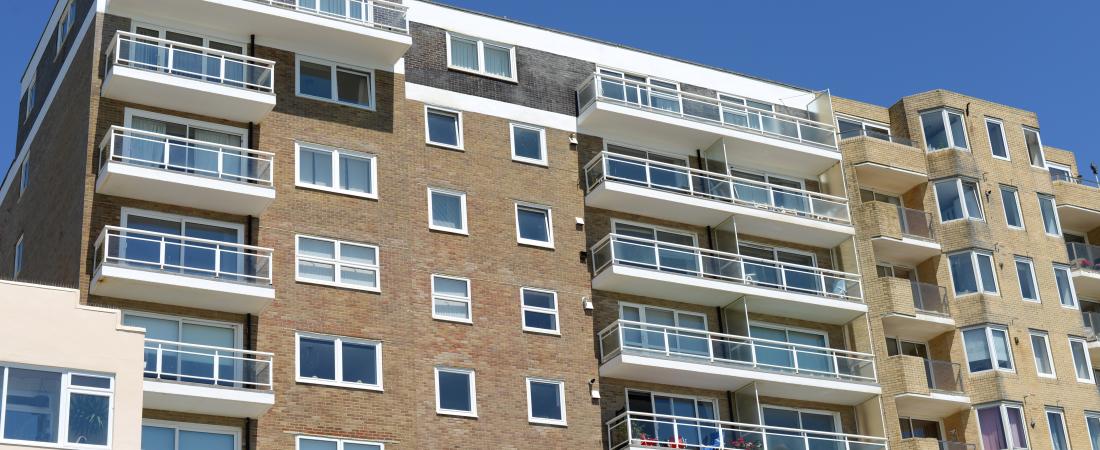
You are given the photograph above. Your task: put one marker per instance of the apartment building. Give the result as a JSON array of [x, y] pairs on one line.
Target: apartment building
[[360, 224]]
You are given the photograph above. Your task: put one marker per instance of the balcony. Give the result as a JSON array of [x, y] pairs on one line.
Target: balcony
[[185, 172], [189, 78], [683, 122], [182, 271], [201, 379], [676, 193], [370, 32], [926, 388], [1092, 327], [641, 431], [1078, 202], [898, 235], [704, 360], [883, 162], [916, 310], [1085, 260], [706, 277]]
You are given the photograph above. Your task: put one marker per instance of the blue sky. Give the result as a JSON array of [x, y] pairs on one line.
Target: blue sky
[[1044, 59]]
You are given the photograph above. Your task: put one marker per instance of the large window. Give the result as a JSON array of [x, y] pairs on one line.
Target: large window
[[1067, 294], [447, 210], [958, 199], [336, 170], [997, 142], [481, 57], [1050, 216], [1002, 427], [158, 435], [339, 361], [987, 349], [1025, 272], [455, 392], [1010, 199], [335, 83], [1040, 347], [443, 127], [1092, 420], [919, 428], [545, 401], [944, 128], [1082, 365], [534, 225], [528, 144], [540, 310], [18, 263], [194, 362], [1034, 147], [337, 263], [851, 127], [1056, 423], [320, 443], [451, 298], [972, 272], [55, 407]]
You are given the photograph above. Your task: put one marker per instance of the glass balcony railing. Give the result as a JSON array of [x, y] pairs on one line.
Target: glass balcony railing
[[1062, 176], [915, 223], [1091, 321], [713, 111], [621, 250], [634, 429], [204, 364], [953, 445], [192, 62], [186, 156], [183, 255], [1084, 256], [725, 350], [944, 376], [714, 186], [929, 298], [371, 13], [877, 135]]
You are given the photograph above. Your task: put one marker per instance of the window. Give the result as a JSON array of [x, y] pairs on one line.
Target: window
[[443, 127], [339, 361], [336, 170], [337, 263], [1067, 294], [1059, 172], [919, 428], [18, 266], [528, 144], [451, 299], [850, 128], [1056, 422], [958, 199], [158, 435], [1034, 147], [984, 345], [31, 98], [997, 142], [1011, 201], [943, 128], [455, 392], [1040, 347], [1092, 420], [534, 225], [545, 401], [24, 175], [540, 310], [335, 83], [1002, 427], [1082, 366], [198, 336], [65, 25], [55, 407], [972, 272], [481, 57], [1050, 217], [447, 210], [319, 443], [1025, 272]]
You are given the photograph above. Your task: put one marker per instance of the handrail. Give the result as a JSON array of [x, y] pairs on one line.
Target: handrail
[[1091, 320], [207, 364], [707, 109], [215, 66], [730, 267], [1083, 256], [916, 223], [722, 348], [1056, 176], [880, 136], [125, 145], [943, 376], [631, 429], [929, 298], [248, 264], [389, 15], [715, 186]]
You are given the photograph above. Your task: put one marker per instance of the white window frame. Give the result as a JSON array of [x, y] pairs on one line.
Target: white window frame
[[336, 153], [864, 124], [549, 225], [481, 57], [337, 263], [468, 300], [1088, 360], [1096, 417], [947, 129], [195, 427], [446, 111], [1065, 431], [1051, 167], [1053, 211], [977, 273], [65, 24], [465, 230], [554, 312], [988, 329], [333, 68], [542, 144], [338, 364], [17, 266], [339, 442], [1072, 289], [1046, 347], [962, 199], [1038, 138], [531, 406], [473, 392], [65, 392], [1019, 210], [187, 122], [238, 336], [32, 94], [1034, 281], [1003, 137], [1003, 407]]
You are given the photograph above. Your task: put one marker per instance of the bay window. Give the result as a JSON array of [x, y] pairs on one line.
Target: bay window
[[943, 128], [1082, 365], [1002, 427], [972, 272], [958, 199], [987, 348]]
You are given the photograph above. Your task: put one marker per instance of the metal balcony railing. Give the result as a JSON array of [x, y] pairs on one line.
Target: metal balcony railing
[[709, 110], [635, 429], [929, 298], [370, 13], [1061, 176], [716, 349], [192, 61], [1083, 256], [621, 250], [204, 364], [877, 135], [916, 223], [187, 156], [715, 186], [183, 255], [944, 376]]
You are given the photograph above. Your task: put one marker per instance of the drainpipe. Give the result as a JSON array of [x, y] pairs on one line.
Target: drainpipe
[[252, 45], [248, 433]]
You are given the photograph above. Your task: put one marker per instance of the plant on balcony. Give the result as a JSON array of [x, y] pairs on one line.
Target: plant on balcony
[[746, 445]]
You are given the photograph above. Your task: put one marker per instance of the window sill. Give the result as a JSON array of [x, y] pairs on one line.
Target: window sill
[[446, 412], [448, 230], [457, 148], [530, 162], [453, 320], [961, 149], [370, 196], [353, 287], [555, 423], [335, 102], [542, 331], [513, 80], [539, 244], [319, 382]]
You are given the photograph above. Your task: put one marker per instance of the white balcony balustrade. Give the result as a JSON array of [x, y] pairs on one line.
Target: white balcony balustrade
[[204, 379], [635, 430]]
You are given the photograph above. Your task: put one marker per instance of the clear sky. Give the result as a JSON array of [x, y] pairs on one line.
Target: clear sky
[[1039, 56]]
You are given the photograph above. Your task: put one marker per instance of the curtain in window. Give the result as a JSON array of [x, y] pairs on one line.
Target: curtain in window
[[1057, 431], [977, 351], [334, 7], [142, 149], [498, 61], [353, 87], [355, 174], [989, 420], [315, 167], [203, 159], [464, 53]]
